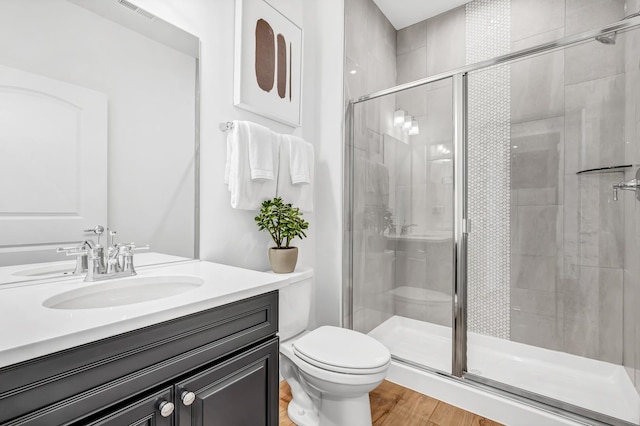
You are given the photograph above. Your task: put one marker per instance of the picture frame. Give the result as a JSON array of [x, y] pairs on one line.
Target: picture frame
[[267, 62]]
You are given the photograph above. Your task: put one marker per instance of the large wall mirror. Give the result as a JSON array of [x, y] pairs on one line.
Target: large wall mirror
[[98, 126]]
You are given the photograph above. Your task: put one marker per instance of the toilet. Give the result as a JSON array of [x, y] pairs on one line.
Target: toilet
[[422, 304], [330, 370]]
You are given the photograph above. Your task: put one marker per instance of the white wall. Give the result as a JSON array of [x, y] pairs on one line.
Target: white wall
[[230, 236], [150, 114], [328, 17]]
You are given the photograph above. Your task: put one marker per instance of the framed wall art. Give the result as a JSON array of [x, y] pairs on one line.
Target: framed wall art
[[268, 62]]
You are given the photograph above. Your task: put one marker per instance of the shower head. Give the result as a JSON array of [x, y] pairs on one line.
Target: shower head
[[610, 38], [607, 38]]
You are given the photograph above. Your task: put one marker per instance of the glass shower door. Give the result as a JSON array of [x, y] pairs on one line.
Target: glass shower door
[[402, 209], [552, 254]]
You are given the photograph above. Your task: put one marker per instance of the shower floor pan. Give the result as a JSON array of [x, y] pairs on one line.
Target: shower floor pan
[[596, 385]]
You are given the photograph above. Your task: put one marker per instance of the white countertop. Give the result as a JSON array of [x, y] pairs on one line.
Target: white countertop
[[31, 330]]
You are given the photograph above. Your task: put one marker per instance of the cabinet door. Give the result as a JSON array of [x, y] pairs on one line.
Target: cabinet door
[[150, 411], [242, 391]]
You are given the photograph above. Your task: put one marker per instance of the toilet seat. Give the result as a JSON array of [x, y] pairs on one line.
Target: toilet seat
[[342, 350]]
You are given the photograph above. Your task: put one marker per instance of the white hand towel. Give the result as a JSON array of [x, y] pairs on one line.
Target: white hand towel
[[372, 177], [300, 195], [247, 194], [383, 182], [300, 159], [227, 164], [261, 160]]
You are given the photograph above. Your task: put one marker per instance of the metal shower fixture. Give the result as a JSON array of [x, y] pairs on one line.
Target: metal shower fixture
[[610, 38]]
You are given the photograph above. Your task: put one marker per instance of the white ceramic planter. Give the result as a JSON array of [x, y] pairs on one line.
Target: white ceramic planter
[[283, 260]]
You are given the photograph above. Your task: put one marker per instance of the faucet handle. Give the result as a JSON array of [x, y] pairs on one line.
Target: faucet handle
[[630, 185], [128, 250], [112, 235], [131, 247], [81, 255], [98, 230], [72, 251], [66, 249]]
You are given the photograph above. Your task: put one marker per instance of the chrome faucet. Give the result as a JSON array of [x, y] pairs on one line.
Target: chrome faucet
[[100, 263], [404, 229]]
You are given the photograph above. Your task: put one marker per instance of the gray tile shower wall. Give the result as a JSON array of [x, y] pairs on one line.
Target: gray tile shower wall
[[573, 272], [569, 110], [631, 280], [590, 292], [370, 65]]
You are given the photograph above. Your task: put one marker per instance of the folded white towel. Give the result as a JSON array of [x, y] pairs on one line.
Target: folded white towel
[[227, 164], [300, 195], [246, 193], [372, 177], [359, 185], [300, 159], [261, 159], [383, 182]]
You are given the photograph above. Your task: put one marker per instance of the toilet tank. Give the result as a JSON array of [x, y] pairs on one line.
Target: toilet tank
[[294, 304]]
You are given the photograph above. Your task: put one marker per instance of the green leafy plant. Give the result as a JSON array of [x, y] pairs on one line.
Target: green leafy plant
[[379, 219], [282, 221]]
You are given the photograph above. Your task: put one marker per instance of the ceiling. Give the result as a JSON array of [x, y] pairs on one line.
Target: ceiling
[[404, 13]]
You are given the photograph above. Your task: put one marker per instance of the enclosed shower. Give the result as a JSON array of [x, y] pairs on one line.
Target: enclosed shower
[[492, 218]]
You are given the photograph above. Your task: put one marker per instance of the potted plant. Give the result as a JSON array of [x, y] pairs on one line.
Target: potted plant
[[284, 223], [378, 220]]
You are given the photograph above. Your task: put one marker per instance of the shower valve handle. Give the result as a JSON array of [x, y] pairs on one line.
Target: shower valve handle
[[630, 185]]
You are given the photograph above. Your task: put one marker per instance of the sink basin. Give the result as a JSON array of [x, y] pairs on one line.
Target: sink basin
[[40, 271], [124, 291]]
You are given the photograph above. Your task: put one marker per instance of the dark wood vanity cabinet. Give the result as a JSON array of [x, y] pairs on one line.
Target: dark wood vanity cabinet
[[144, 412], [218, 366], [233, 393]]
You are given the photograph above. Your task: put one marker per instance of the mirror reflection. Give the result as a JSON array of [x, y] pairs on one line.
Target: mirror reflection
[[98, 103]]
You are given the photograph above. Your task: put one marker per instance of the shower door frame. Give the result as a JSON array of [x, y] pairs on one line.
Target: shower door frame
[[462, 225]]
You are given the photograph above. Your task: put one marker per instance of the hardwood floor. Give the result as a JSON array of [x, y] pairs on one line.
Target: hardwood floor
[[394, 405]]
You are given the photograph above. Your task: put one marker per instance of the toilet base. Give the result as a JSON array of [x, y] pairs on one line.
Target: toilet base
[[347, 411], [351, 411], [301, 416]]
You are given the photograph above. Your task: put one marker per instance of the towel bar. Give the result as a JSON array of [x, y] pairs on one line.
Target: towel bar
[[226, 126]]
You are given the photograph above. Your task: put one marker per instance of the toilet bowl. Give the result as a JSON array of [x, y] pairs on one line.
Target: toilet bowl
[[422, 304], [330, 370]]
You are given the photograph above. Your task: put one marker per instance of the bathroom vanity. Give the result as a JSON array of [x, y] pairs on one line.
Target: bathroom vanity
[[206, 355]]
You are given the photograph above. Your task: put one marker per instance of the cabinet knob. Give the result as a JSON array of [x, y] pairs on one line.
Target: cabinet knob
[[166, 408], [188, 397]]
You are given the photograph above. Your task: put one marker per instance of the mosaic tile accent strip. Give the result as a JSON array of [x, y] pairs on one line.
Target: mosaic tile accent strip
[[488, 24]]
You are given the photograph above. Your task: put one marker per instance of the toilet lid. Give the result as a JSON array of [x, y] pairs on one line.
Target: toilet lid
[[342, 350]]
